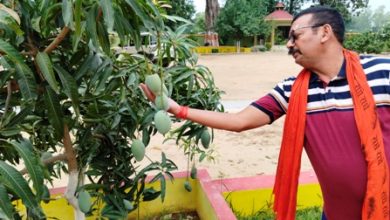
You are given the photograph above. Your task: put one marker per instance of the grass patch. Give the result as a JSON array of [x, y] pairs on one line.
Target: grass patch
[[312, 213]]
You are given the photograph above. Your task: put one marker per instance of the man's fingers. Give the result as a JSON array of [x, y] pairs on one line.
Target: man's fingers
[[147, 92]]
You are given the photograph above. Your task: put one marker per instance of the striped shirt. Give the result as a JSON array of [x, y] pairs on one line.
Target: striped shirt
[[331, 138]]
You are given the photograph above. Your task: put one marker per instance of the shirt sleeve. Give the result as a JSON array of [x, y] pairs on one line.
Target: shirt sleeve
[[275, 103]]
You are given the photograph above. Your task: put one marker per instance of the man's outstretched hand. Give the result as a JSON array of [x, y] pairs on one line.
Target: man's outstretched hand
[[174, 108]]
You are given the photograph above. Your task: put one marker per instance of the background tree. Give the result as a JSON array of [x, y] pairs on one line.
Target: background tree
[[294, 6], [346, 7], [211, 12], [200, 22], [368, 32], [71, 103], [239, 18], [181, 8]]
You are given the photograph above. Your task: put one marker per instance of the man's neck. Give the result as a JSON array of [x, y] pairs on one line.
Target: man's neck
[[329, 65]]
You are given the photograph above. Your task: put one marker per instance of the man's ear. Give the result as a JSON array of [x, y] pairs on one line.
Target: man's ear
[[327, 33]]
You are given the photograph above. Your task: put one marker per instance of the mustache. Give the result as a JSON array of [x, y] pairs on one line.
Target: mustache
[[292, 50]]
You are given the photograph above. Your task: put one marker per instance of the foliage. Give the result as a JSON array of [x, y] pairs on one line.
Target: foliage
[[200, 23], [294, 6], [346, 7], [312, 213], [370, 42], [240, 18], [181, 8], [270, 5], [66, 92]]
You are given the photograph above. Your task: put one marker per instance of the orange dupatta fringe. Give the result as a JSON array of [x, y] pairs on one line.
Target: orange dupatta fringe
[[376, 201]]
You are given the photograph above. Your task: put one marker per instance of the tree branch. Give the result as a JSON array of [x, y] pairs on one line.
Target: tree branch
[[73, 179], [59, 157], [69, 151], [60, 37]]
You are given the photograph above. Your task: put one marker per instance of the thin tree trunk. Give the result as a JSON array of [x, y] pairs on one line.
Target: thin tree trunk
[[211, 13]]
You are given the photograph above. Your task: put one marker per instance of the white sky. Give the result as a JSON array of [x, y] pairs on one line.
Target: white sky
[[200, 5]]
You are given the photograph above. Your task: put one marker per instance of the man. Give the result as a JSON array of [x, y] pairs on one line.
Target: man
[[342, 123]]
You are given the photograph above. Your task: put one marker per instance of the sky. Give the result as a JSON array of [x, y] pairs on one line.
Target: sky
[[200, 5]]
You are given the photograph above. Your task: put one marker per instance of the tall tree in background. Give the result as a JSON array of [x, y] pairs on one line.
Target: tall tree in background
[[345, 7], [270, 5], [181, 8], [240, 18], [212, 11]]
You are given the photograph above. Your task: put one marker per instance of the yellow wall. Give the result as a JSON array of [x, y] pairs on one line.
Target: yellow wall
[[221, 49], [249, 202]]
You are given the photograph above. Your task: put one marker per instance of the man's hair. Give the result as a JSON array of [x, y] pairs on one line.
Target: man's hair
[[326, 15]]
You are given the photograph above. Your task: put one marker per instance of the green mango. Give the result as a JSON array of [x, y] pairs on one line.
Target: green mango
[[154, 83], [205, 138], [46, 194], [162, 121], [128, 205], [194, 172], [138, 149], [187, 186], [84, 200], [162, 102]]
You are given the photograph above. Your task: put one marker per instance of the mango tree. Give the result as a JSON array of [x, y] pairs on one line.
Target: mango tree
[[71, 104]]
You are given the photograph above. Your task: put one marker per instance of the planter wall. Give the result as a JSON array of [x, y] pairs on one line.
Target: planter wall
[[211, 199]]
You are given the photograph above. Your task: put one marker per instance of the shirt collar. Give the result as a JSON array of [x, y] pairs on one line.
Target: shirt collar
[[341, 75]]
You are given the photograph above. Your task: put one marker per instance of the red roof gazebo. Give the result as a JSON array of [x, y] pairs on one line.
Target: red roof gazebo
[[280, 19]]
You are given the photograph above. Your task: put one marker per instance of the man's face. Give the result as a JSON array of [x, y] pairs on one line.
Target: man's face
[[303, 41]]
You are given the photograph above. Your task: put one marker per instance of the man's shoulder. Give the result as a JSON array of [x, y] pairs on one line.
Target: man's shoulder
[[375, 63], [374, 59]]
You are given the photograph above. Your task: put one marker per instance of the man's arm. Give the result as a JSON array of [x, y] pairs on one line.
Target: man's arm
[[246, 119]]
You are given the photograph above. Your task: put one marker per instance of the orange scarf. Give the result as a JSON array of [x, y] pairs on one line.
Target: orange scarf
[[376, 201]]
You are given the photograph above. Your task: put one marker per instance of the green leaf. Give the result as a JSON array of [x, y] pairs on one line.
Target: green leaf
[[103, 38], [101, 86], [67, 13], [70, 86], [8, 132], [44, 63], [163, 185], [91, 26], [150, 194], [17, 119], [138, 10], [13, 180], [5, 203], [55, 115], [11, 52], [25, 150], [108, 13], [43, 5], [26, 81], [77, 21], [10, 22]]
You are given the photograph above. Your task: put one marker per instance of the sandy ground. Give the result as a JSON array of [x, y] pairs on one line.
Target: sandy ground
[[243, 78]]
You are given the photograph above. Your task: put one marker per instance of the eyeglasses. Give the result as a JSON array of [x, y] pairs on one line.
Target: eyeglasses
[[292, 35]]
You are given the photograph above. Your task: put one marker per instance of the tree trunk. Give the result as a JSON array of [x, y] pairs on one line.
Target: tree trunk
[[212, 10]]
